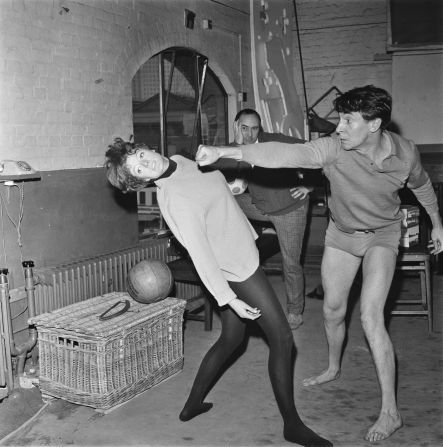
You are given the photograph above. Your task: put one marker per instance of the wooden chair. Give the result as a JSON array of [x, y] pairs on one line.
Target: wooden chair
[[416, 259], [183, 271], [268, 247]]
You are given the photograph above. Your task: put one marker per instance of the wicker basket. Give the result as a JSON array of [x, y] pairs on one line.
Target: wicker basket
[[104, 363]]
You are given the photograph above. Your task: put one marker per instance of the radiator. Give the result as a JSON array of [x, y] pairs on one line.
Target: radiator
[[69, 283]]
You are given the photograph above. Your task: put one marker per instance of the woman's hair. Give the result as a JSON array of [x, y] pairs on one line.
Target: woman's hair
[[116, 170], [372, 102]]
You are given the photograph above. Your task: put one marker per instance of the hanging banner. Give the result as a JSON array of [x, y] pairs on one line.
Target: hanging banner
[[275, 94]]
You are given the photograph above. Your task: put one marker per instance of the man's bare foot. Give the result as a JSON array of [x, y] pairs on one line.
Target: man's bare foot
[[386, 424], [324, 377]]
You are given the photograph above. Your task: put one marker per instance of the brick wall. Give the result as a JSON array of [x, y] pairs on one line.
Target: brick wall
[[66, 66], [343, 44], [66, 69]]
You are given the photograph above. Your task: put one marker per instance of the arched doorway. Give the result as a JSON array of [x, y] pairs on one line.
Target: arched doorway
[[178, 103]]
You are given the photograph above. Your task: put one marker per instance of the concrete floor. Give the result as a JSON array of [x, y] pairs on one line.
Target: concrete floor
[[245, 412]]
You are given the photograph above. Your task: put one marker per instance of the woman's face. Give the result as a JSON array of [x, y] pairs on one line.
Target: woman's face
[[146, 164]]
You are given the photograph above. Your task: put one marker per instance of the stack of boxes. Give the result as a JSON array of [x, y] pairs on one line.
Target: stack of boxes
[[410, 226]]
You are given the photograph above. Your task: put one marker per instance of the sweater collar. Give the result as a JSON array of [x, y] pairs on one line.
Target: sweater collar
[[169, 170]]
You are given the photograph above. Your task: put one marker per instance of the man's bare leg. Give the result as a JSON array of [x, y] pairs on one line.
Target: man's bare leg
[[378, 270], [338, 271]]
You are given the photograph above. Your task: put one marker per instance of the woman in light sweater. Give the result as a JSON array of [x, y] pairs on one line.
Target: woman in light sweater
[[202, 213]]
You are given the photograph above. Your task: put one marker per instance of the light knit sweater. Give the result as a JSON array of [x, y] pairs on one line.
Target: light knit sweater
[[202, 213], [363, 195]]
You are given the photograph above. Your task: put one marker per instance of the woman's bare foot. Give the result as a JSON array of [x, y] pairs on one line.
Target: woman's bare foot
[[386, 424], [326, 376]]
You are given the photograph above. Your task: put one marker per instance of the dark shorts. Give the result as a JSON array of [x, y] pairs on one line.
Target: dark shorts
[[359, 242]]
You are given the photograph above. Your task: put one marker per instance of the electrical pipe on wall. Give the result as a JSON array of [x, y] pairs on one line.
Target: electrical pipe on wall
[[21, 351], [209, 25], [6, 349]]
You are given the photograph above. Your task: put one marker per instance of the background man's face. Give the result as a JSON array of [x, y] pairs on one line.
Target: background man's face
[[249, 127]]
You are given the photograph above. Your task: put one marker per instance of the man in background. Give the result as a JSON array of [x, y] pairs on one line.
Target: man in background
[[276, 196]]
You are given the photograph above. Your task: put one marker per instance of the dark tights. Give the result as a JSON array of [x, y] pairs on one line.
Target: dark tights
[[257, 292]]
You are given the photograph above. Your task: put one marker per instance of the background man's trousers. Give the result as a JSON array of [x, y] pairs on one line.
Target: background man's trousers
[[290, 229]]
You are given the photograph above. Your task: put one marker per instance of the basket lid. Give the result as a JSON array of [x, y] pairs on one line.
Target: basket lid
[[83, 317]]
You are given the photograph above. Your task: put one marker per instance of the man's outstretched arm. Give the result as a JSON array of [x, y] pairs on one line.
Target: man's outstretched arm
[[207, 155], [311, 155]]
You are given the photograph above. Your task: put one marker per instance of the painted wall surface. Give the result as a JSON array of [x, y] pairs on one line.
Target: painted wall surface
[[67, 215], [417, 85]]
